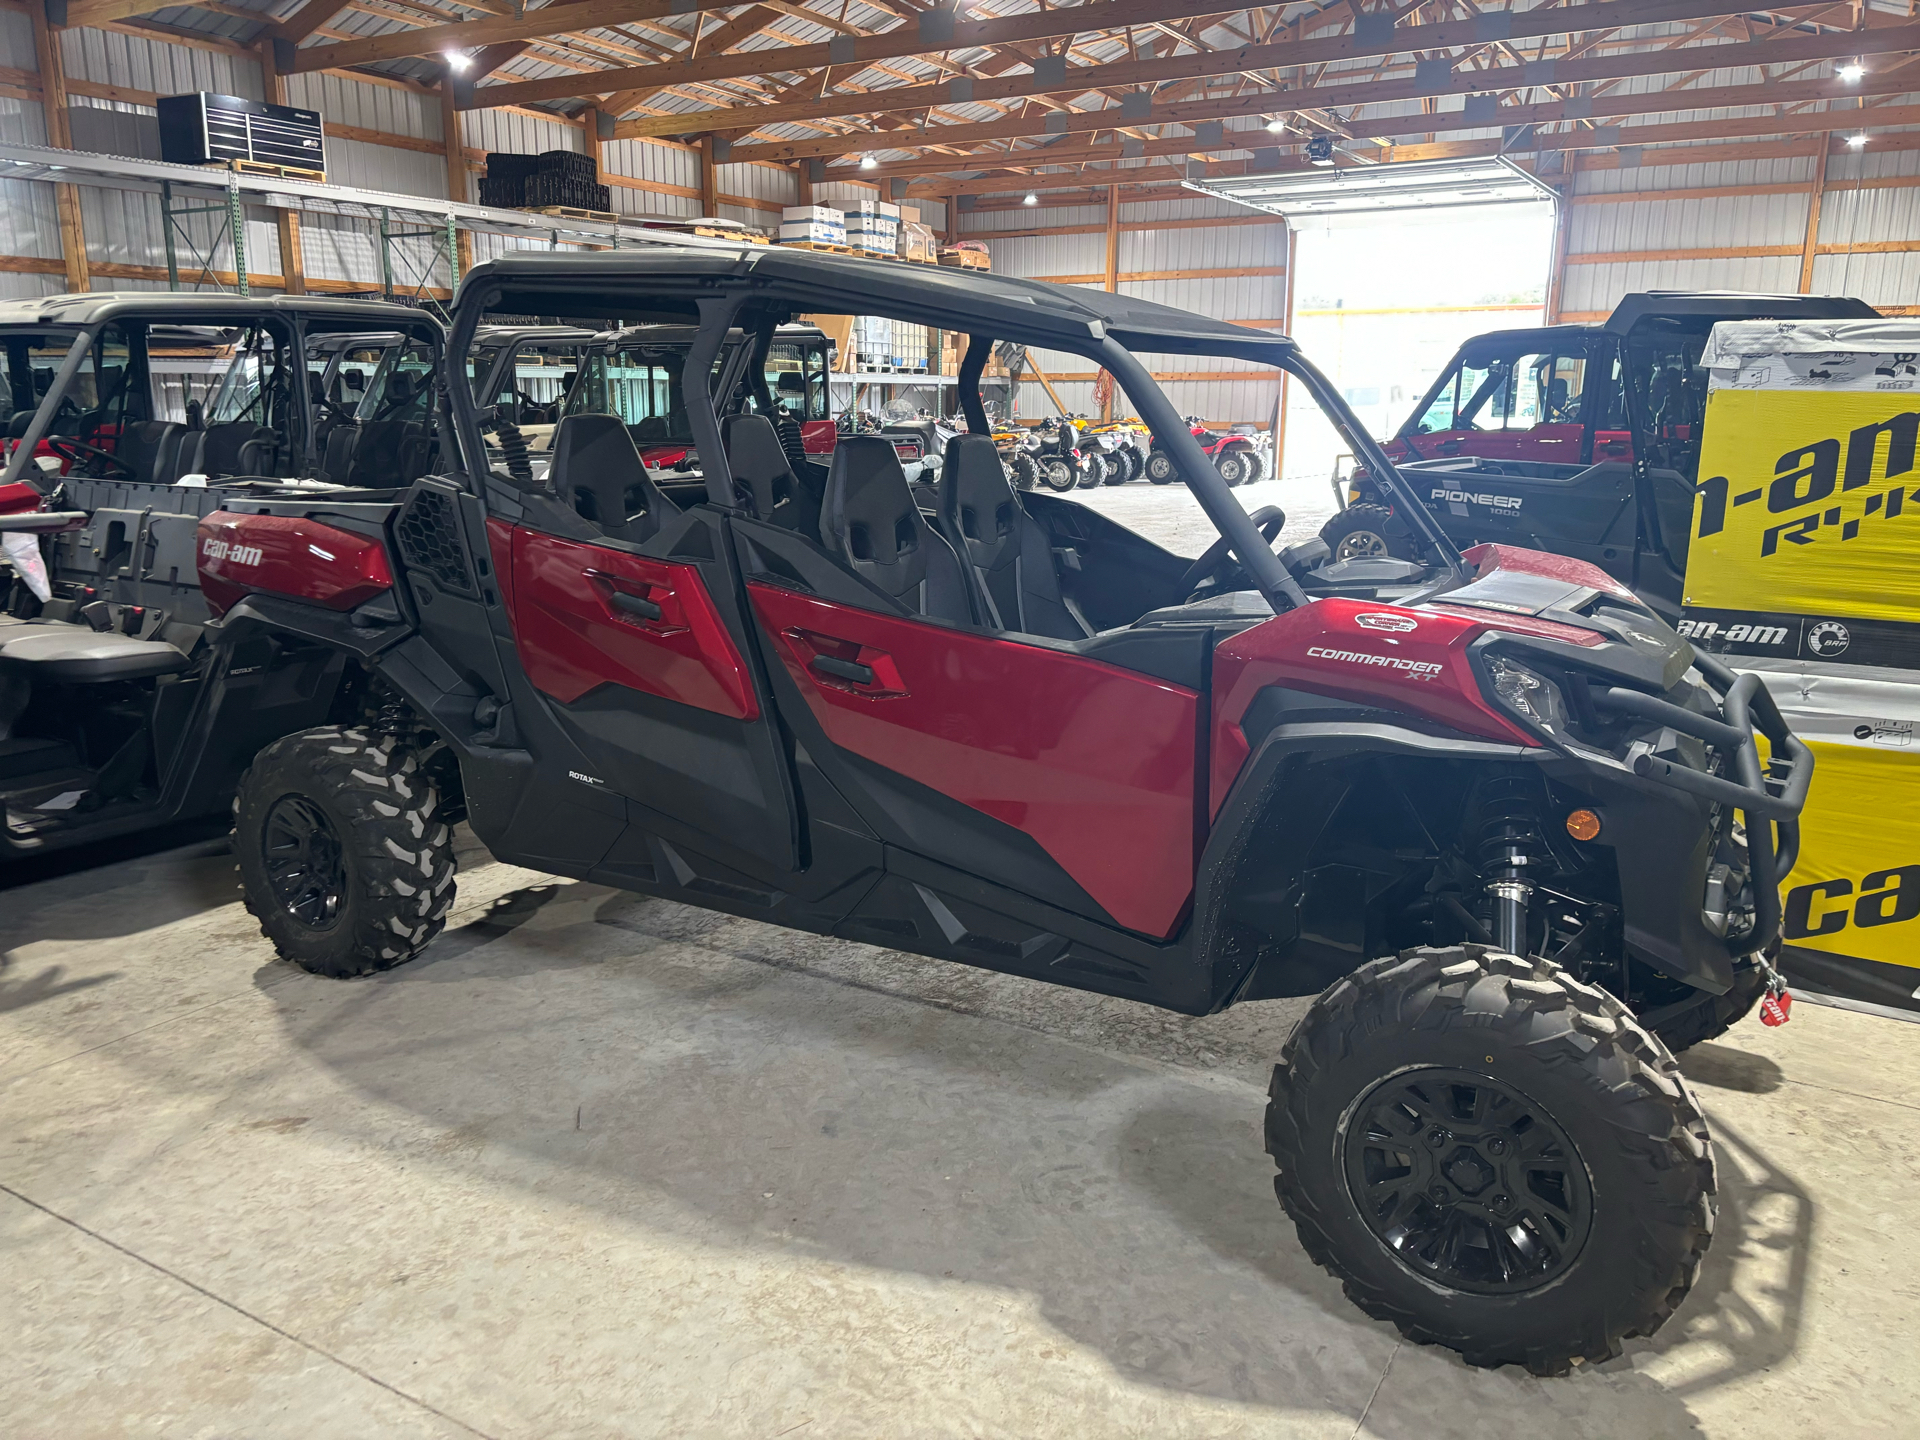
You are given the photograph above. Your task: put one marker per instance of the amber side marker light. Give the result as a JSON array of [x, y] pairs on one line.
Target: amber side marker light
[[1583, 825]]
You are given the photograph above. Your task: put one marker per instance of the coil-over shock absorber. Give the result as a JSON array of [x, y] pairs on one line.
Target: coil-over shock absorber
[[1510, 840], [513, 451]]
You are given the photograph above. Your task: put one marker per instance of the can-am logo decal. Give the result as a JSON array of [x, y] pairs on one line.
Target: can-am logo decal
[[1739, 634], [1418, 669], [232, 554], [1469, 497], [1381, 620]]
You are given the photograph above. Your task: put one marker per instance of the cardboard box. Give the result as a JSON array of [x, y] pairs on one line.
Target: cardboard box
[[823, 214]]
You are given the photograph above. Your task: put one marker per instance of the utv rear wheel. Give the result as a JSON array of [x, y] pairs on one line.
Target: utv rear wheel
[[342, 856], [1360, 530], [1492, 1156], [1160, 467]]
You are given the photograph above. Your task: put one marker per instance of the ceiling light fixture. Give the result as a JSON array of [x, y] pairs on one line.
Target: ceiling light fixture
[[868, 162], [1851, 72], [1276, 127], [1030, 199], [457, 61], [1855, 142]]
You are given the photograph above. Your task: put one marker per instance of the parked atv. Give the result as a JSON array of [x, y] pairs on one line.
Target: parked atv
[[1057, 453], [1530, 437], [1234, 454], [1119, 446], [1017, 447], [1504, 823]]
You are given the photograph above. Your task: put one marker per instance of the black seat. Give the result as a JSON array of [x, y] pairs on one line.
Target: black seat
[[150, 449], [236, 447], [72, 653], [1008, 552], [758, 462], [870, 523], [598, 472]]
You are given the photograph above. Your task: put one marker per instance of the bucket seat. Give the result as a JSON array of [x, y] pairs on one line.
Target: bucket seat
[[598, 471], [1009, 555], [758, 463], [869, 523]]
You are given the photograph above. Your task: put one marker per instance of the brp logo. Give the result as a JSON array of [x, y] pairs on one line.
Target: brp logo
[[1829, 638], [1381, 620]]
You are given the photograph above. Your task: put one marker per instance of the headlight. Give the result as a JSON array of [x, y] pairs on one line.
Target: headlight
[[1534, 698]]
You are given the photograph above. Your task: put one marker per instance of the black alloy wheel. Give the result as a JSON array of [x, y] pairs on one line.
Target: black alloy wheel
[[1470, 1184], [306, 868]]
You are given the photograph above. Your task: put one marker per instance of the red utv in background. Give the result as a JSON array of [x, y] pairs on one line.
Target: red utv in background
[[1532, 437]]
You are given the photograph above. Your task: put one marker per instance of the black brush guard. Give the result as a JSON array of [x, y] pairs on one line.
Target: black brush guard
[[1769, 799]]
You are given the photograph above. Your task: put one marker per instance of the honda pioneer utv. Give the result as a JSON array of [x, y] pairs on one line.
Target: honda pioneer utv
[[1580, 440], [128, 418], [1505, 824]]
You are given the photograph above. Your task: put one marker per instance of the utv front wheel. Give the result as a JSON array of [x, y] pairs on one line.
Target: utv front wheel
[[1057, 474], [1360, 531], [343, 858], [1492, 1156]]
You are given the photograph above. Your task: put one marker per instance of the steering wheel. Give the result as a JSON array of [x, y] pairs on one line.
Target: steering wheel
[[1268, 520], [65, 447]]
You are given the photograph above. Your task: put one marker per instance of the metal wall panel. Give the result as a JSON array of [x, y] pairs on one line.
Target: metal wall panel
[[112, 57], [366, 107]]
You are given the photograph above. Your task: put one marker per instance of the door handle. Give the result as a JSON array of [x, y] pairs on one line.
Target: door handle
[[846, 669], [636, 605]]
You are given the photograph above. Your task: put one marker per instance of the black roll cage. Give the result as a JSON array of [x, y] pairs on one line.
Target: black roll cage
[[720, 299]]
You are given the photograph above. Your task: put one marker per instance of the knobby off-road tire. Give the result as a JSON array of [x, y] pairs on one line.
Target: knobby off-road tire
[[1360, 530], [1373, 1110], [343, 858], [1233, 467], [1057, 474], [1161, 469], [1025, 473]]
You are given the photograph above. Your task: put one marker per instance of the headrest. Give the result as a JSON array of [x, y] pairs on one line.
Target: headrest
[[869, 519], [597, 471], [977, 505], [400, 386], [757, 460]]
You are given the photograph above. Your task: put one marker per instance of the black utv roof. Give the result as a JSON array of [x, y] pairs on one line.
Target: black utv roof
[[1537, 338], [1699, 309], [192, 308], [1033, 311]]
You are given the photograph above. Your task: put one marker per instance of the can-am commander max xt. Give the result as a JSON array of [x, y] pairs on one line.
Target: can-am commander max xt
[[1508, 826]]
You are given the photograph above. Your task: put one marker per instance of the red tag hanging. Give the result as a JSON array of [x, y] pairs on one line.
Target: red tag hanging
[[1775, 1007]]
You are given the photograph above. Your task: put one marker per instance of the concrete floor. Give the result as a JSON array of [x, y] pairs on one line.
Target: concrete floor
[[603, 1165]]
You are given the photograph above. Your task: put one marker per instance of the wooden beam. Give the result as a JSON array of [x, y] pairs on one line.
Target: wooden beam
[[293, 260], [1743, 252], [851, 54], [709, 187], [1733, 192], [1812, 238], [454, 149], [1239, 272], [1897, 78], [53, 105], [1113, 228], [1631, 136], [1538, 23]]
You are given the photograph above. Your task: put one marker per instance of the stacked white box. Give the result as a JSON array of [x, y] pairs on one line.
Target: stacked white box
[[874, 225], [816, 224]]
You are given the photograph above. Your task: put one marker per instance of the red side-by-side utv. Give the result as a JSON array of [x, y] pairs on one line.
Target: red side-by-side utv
[[1512, 832]]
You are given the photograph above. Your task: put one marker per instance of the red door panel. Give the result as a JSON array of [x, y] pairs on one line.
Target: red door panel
[[1095, 763], [587, 615]]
